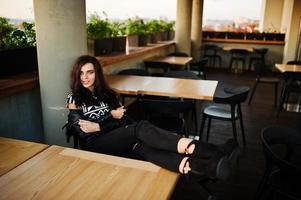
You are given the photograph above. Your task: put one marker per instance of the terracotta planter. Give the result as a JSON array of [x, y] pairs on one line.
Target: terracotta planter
[[100, 46], [18, 61], [119, 44]]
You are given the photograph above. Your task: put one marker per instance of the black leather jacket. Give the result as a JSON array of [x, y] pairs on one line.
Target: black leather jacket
[[108, 124]]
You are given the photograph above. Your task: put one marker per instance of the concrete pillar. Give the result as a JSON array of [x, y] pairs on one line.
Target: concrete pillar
[[61, 37], [183, 26], [196, 28], [271, 16], [292, 30]]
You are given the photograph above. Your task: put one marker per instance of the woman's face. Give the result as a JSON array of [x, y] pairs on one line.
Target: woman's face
[[87, 76]]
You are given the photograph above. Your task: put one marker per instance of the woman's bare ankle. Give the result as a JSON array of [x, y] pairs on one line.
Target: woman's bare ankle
[[183, 144], [184, 166]]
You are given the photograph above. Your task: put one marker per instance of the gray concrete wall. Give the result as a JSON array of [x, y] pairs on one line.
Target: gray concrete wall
[[21, 116]]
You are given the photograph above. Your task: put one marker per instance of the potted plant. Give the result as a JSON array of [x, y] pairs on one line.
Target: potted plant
[[99, 36], [18, 53], [137, 32], [118, 35], [208, 34], [236, 35], [168, 30], [154, 28], [220, 34]]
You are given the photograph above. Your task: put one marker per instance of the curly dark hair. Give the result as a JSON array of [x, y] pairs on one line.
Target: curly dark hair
[[102, 90]]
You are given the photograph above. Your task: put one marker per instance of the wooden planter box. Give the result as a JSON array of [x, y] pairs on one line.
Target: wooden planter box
[[100, 46], [234, 35], [18, 61], [274, 36], [132, 41], [155, 37], [106, 46], [171, 35], [254, 36], [220, 35], [164, 36], [143, 40], [119, 44], [208, 34]]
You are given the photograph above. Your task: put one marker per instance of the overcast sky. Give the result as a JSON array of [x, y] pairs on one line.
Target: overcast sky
[[123, 9]]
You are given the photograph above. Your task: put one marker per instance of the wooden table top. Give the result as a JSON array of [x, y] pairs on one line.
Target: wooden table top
[[64, 173], [288, 68], [249, 49], [14, 152], [163, 86], [174, 60]]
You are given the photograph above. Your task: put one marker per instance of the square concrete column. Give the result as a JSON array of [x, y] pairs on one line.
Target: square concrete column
[[292, 14], [183, 26], [61, 38], [271, 11], [196, 28]]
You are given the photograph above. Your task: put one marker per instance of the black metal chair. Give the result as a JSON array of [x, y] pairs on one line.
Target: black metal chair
[[181, 74], [163, 67], [211, 52], [167, 114], [292, 84], [258, 56], [238, 55], [200, 67], [282, 152], [263, 75], [132, 71], [177, 54], [230, 111], [185, 75]]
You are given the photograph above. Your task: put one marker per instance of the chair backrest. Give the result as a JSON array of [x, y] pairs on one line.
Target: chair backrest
[[157, 65], [292, 75], [261, 51], [239, 52], [210, 49], [280, 145], [181, 74], [261, 69], [178, 54], [166, 106], [134, 71], [294, 62], [167, 114], [200, 63], [232, 95]]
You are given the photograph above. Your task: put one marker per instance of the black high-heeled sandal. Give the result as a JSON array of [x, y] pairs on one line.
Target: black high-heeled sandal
[[218, 167], [206, 150]]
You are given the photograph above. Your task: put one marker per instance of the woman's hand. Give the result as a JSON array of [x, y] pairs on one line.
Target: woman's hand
[[88, 127], [118, 113]]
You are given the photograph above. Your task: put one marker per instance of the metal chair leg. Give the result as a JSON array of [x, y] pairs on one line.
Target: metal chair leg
[[202, 126], [253, 91], [242, 126], [208, 128]]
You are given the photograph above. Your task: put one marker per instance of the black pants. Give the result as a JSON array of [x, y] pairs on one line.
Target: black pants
[[144, 141]]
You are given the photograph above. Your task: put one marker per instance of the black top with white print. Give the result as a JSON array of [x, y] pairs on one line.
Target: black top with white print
[[99, 112]]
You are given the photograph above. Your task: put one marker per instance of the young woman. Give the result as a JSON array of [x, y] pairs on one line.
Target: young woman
[[98, 120]]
